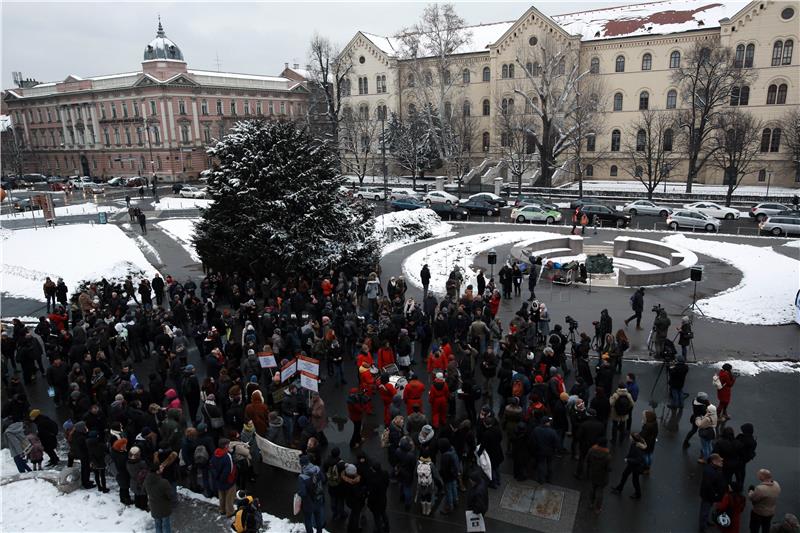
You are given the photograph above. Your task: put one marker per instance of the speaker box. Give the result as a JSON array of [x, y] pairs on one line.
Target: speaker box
[[696, 273], [492, 257]]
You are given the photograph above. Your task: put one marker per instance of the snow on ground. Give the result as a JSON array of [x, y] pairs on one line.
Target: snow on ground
[[753, 368], [88, 208], [399, 228], [765, 296], [793, 244], [441, 257], [181, 230], [147, 248], [175, 204], [77, 252], [678, 187]]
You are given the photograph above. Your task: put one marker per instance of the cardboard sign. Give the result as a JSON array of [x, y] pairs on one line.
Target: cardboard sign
[[309, 382], [45, 202], [308, 364], [267, 360], [289, 370], [284, 458], [475, 522]]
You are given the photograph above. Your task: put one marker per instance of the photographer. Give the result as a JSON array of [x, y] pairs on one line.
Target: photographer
[[660, 329], [637, 304], [676, 381], [685, 336]]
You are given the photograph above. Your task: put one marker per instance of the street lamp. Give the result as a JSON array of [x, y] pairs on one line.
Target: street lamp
[[769, 179], [150, 148]]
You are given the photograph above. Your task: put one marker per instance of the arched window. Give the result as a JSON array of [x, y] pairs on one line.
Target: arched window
[[672, 99], [465, 108], [765, 137], [638, 171], [590, 143], [589, 171], [485, 141], [647, 62], [428, 77], [777, 53], [668, 140], [644, 100], [618, 102], [412, 109], [446, 77], [641, 139], [619, 65], [562, 66], [363, 112], [381, 110], [511, 70], [675, 59], [738, 60], [772, 93], [782, 88], [762, 174], [504, 72], [615, 138], [465, 75], [487, 74], [507, 106], [775, 144], [749, 54], [613, 171], [486, 108], [594, 66], [787, 52], [529, 68]]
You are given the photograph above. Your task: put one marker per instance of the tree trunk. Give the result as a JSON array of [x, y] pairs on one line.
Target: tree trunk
[[580, 184]]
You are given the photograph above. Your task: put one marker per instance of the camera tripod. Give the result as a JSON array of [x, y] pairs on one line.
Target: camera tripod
[[693, 306]]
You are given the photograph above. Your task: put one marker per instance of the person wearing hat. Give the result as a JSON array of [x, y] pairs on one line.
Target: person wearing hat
[[137, 470], [726, 380], [354, 496], [47, 429], [685, 336], [712, 488], [438, 396], [699, 405], [222, 470]]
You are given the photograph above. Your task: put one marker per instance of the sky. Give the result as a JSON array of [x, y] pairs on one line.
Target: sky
[[48, 41]]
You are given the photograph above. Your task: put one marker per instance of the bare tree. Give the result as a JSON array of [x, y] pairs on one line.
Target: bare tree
[[12, 150], [359, 143], [736, 146], [648, 148], [584, 126], [707, 76], [790, 123], [516, 140], [464, 128], [427, 75], [410, 144], [329, 68]]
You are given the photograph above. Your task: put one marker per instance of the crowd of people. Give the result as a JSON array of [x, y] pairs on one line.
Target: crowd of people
[[459, 392]]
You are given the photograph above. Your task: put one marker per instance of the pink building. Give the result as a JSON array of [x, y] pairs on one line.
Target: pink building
[[153, 121]]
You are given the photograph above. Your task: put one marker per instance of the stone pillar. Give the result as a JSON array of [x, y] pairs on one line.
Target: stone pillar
[[439, 183], [63, 116], [164, 129], [95, 125], [196, 122], [620, 245], [498, 185]]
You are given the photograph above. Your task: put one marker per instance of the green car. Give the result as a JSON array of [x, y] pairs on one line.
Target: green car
[[535, 213]]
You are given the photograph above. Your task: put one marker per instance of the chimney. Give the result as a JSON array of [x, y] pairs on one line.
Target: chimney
[[286, 65], [296, 66]]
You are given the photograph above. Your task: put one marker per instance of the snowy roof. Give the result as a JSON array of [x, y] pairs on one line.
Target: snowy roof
[[162, 47], [482, 36], [215, 74], [653, 18]]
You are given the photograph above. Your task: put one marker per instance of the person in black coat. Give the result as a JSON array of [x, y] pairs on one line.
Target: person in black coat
[[97, 459], [634, 466], [547, 443], [377, 485], [80, 451], [47, 430], [490, 438], [730, 450], [589, 433], [712, 488], [748, 450], [478, 494], [520, 452], [676, 380], [637, 305]]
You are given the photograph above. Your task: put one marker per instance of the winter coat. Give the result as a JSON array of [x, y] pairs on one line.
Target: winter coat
[[712, 486], [97, 452], [305, 488], [377, 485], [220, 466], [649, 431], [614, 416], [478, 495], [47, 429], [635, 457], [135, 467], [598, 465], [160, 497], [727, 379], [258, 412], [764, 497], [491, 440]]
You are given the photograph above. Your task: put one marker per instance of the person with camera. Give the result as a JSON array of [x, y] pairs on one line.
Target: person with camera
[[685, 336], [660, 330], [676, 380], [637, 305]]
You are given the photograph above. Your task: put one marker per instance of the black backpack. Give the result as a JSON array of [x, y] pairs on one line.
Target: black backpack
[[623, 405]]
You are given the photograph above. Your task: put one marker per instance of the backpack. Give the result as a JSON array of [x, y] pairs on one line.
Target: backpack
[[332, 475], [623, 405], [240, 520], [517, 388], [315, 487], [424, 474], [200, 455], [623, 345]]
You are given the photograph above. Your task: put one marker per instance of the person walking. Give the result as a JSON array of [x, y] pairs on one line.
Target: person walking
[[712, 488], [649, 433], [598, 466], [707, 428], [377, 485], [637, 305], [223, 474], [621, 403], [311, 489], [732, 504], [161, 498], [142, 220], [634, 464], [425, 277], [764, 499], [699, 405]]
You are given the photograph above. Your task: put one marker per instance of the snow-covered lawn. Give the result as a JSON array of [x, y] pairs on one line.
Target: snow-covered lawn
[[753, 368], [399, 228], [88, 208], [175, 204], [765, 296], [441, 257], [793, 244], [77, 252], [678, 187], [181, 231]]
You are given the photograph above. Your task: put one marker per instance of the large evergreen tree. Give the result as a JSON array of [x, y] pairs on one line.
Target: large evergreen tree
[[277, 209]]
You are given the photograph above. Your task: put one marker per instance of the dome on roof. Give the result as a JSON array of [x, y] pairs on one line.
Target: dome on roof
[[162, 48]]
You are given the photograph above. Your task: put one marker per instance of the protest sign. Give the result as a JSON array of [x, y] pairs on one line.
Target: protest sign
[[267, 360], [288, 370], [308, 364], [284, 458], [309, 382]]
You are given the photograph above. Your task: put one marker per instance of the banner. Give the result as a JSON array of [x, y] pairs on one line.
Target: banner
[[308, 381], [284, 458], [288, 370], [45, 201], [267, 360], [308, 364]]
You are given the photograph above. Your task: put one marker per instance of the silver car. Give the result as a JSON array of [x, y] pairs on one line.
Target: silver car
[[646, 207], [685, 218], [781, 225]]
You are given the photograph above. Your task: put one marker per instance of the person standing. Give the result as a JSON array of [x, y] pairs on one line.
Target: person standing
[[621, 403], [748, 448], [649, 433], [223, 473], [47, 429], [377, 485], [724, 382], [699, 405], [158, 288], [707, 428], [61, 292], [634, 464], [764, 498], [161, 498], [311, 489], [17, 444], [425, 277], [355, 412], [637, 305], [49, 288], [685, 336], [598, 466], [712, 488], [676, 381], [547, 445]]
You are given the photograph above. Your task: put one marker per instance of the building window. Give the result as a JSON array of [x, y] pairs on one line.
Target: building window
[[363, 112], [675, 59], [740, 95], [233, 107], [668, 140], [158, 162], [136, 109], [448, 109], [487, 74], [271, 108], [185, 134], [647, 62], [153, 108], [446, 79], [204, 107], [106, 138], [259, 108], [507, 106], [156, 135], [124, 110], [485, 141], [618, 102], [641, 140], [181, 107], [486, 108], [381, 110], [589, 171], [465, 108], [504, 72], [770, 140], [219, 107], [380, 84], [613, 171], [777, 53], [594, 66], [644, 100], [787, 52], [283, 108], [762, 174], [615, 138], [221, 131], [776, 94], [738, 60], [504, 142], [128, 136], [672, 99], [590, 143], [247, 107], [49, 115], [465, 76], [116, 136], [619, 65], [139, 136], [113, 110]]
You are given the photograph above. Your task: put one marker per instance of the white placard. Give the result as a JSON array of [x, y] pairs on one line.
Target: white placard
[[309, 382], [288, 370], [267, 360], [308, 364]]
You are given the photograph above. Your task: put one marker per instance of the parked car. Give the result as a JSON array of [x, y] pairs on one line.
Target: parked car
[[646, 207], [605, 214], [35, 178], [535, 213], [528, 199], [578, 202], [714, 210], [135, 181], [78, 181], [690, 218], [187, 191], [449, 211], [780, 225], [490, 198], [14, 182], [440, 197], [764, 209], [370, 193], [476, 206], [401, 193], [25, 204], [117, 181], [407, 204], [92, 187]]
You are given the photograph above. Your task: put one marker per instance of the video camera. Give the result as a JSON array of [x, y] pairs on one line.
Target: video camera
[[657, 308], [573, 324]]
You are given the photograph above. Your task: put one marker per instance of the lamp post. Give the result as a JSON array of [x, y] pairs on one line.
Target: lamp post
[[383, 156], [769, 179], [150, 148]]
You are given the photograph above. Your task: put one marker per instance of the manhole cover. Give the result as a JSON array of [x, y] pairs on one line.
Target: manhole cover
[[547, 503]]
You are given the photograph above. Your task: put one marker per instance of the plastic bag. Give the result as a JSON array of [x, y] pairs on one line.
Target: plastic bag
[[298, 504]]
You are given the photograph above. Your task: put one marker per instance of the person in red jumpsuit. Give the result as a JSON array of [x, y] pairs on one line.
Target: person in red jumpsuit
[[366, 382], [727, 379], [437, 397], [437, 362], [387, 392], [385, 355], [412, 394], [494, 303]]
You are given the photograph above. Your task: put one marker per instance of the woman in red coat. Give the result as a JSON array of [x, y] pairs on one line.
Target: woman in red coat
[[733, 503], [727, 379], [494, 303]]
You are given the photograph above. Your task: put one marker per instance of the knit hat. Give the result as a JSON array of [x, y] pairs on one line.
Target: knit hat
[[702, 396], [34, 414], [68, 425], [119, 398], [135, 451], [350, 470], [538, 379], [564, 396], [251, 352]]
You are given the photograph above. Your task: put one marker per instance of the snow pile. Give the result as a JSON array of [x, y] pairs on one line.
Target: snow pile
[[793, 244], [675, 187], [77, 253], [441, 257], [765, 296], [176, 204], [753, 368], [399, 228], [88, 208], [146, 247], [181, 230]]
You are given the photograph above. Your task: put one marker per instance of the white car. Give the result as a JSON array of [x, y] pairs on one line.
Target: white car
[[765, 209], [689, 218], [490, 198], [402, 194], [187, 191], [79, 181], [714, 210], [780, 225], [535, 213], [370, 193], [646, 207], [440, 197], [91, 187]]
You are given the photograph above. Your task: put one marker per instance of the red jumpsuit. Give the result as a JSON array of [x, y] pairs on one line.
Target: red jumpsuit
[[366, 382], [437, 397], [437, 364], [361, 357], [387, 392], [385, 357], [412, 395]]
